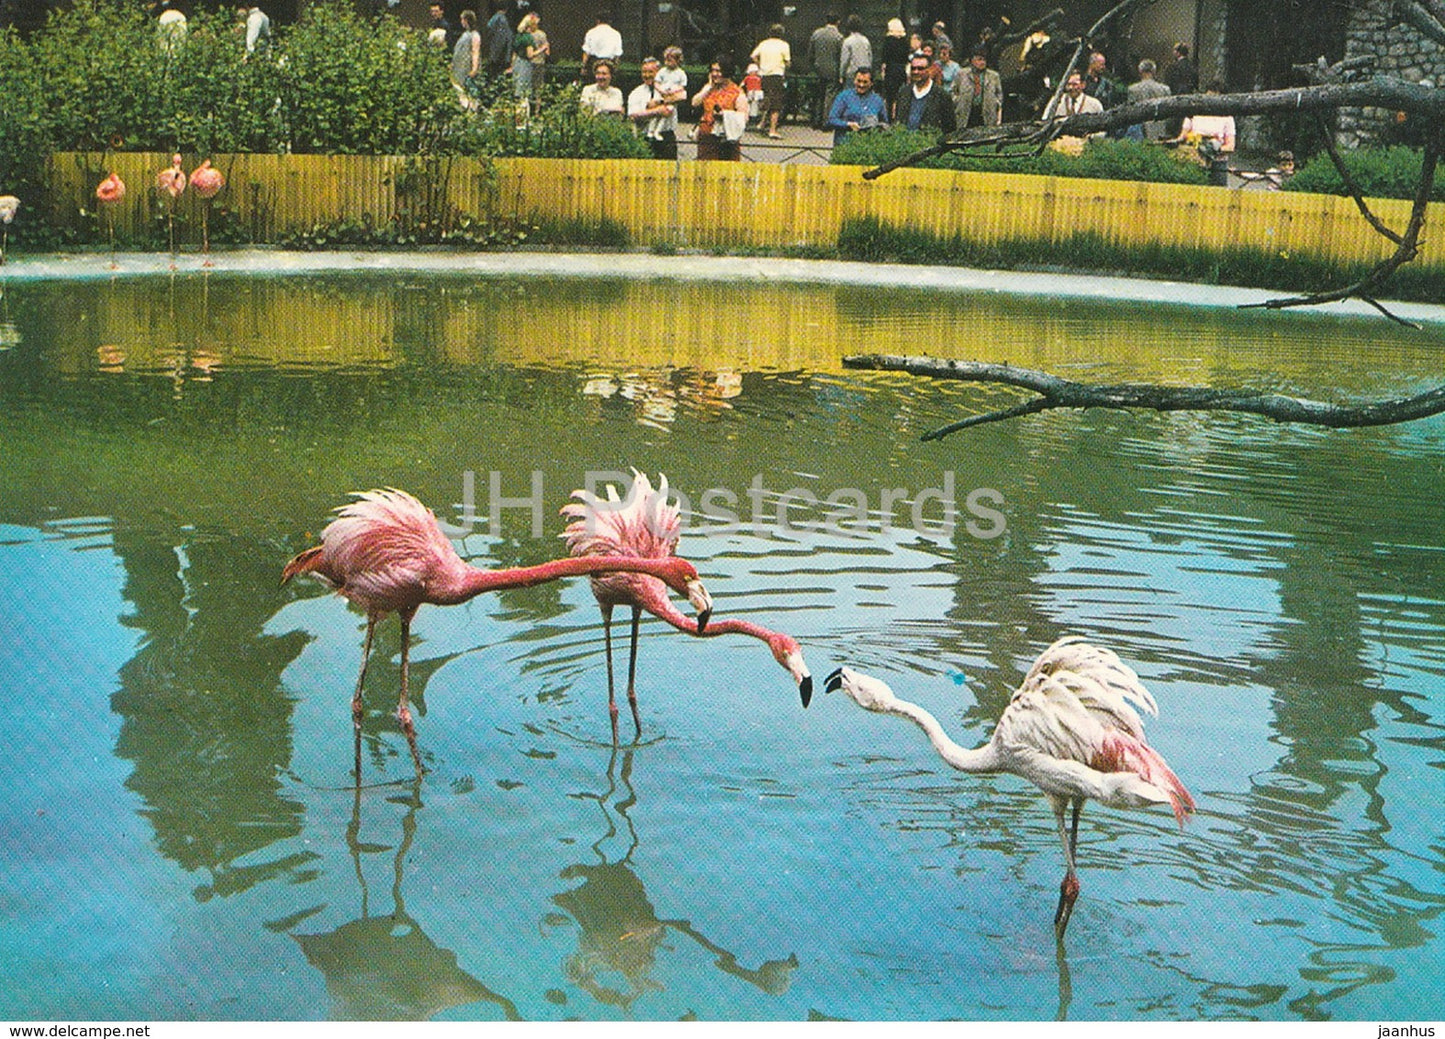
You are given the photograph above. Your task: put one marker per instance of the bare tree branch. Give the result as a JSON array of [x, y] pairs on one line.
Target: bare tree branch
[[1055, 392], [1381, 92], [1407, 247], [1427, 16], [1354, 189]]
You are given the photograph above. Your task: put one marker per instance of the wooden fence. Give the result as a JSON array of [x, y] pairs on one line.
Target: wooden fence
[[722, 205]]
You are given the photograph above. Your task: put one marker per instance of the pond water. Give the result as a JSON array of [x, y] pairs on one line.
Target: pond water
[[182, 838]]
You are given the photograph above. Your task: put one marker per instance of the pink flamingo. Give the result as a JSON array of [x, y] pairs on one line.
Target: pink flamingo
[[646, 526], [108, 192], [386, 553], [208, 182], [172, 181], [9, 206], [1068, 729]]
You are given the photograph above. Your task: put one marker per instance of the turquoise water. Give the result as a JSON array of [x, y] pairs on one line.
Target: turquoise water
[[182, 838]]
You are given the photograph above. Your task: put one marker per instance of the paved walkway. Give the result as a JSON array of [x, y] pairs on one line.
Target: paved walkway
[[800, 144]]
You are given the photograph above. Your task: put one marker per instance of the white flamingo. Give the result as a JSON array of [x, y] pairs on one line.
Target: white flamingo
[[1069, 730]]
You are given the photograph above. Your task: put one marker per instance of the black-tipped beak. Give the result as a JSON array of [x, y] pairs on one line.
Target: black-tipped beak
[[702, 619], [805, 689], [834, 681]]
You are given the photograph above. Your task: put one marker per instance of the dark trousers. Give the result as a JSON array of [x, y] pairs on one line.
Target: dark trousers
[[664, 147]]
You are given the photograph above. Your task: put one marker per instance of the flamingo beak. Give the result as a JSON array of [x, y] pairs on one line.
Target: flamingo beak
[[701, 602], [799, 670], [834, 681]]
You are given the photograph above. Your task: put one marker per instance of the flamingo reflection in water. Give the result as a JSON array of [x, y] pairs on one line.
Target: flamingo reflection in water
[[384, 967], [619, 931], [1069, 730]]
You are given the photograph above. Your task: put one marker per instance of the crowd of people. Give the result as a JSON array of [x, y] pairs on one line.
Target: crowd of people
[[913, 80]]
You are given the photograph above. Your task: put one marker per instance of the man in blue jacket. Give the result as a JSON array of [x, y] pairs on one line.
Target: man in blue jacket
[[858, 109]]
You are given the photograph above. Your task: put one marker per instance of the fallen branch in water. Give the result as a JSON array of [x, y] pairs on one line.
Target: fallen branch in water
[[1055, 392]]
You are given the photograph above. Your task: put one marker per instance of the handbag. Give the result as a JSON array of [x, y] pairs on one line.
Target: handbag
[[734, 123]]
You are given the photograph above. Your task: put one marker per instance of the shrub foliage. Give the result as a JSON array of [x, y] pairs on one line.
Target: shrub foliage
[[1101, 159], [1379, 173], [101, 77]]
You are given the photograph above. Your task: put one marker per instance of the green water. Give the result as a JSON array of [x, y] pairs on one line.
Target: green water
[[180, 837]]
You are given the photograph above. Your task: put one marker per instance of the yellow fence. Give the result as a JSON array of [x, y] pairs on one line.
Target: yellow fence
[[720, 205]]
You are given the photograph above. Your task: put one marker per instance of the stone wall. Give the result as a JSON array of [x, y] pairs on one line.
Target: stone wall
[[1399, 50]]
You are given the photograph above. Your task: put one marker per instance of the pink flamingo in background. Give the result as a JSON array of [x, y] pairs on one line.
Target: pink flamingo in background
[[172, 181], [208, 182], [386, 553], [646, 526], [110, 191], [1069, 730]]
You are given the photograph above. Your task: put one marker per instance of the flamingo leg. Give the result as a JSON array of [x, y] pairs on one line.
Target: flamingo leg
[[611, 688], [632, 671], [1069, 888], [356, 709], [403, 710]]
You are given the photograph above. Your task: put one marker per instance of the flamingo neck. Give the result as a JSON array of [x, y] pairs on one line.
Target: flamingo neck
[[473, 581], [979, 759], [655, 601]]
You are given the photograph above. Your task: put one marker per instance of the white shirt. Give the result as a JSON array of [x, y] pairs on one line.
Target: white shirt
[[599, 101], [653, 126], [602, 41], [1084, 104], [1220, 127], [672, 81], [773, 57], [258, 29]]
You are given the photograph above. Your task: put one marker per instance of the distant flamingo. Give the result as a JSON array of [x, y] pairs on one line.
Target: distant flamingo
[[386, 553], [1068, 729], [208, 182], [172, 181], [9, 206], [108, 192], [646, 526]]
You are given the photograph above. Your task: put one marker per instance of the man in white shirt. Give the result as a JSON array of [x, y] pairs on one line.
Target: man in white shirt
[[1073, 102], [602, 43], [258, 28], [653, 114], [773, 57], [601, 97]]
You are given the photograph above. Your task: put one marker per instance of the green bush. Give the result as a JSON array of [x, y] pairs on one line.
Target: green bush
[[1379, 173], [1101, 159], [560, 130]]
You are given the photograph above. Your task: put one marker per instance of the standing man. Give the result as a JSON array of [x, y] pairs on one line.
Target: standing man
[[856, 53], [1181, 77], [1147, 89], [773, 57], [825, 47], [858, 109], [602, 43], [941, 38], [653, 114], [499, 40], [1097, 82], [978, 93], [449, 32], [922, 104]]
